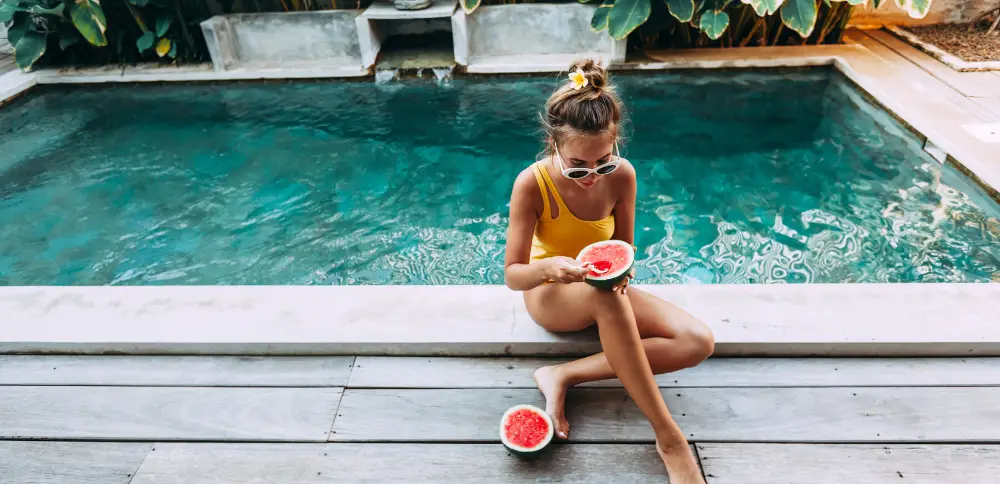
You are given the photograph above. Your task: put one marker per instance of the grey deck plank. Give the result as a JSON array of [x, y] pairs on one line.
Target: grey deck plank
[[176, 371], [855, 464], [367, 463], [957, 414], [69, 462], [157, 413], [417, 372]]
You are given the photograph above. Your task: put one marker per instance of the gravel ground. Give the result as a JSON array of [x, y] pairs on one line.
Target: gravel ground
[[956, 39]]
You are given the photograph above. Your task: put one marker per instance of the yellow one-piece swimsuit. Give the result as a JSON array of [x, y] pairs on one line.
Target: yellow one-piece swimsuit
[[565, 235]]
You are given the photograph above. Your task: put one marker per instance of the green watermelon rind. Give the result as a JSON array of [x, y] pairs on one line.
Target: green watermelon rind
[[609, 280], [522, 451]]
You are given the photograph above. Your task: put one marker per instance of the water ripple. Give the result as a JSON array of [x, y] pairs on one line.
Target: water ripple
[[345, 183]]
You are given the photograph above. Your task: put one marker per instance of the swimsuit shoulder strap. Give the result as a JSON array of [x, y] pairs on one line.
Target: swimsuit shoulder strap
[[540, 179], [551, 186]]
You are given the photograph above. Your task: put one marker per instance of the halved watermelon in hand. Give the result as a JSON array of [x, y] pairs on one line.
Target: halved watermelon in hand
[[610, 262]]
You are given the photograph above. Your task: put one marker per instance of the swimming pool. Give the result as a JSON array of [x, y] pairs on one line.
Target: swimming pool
[[744, 178]]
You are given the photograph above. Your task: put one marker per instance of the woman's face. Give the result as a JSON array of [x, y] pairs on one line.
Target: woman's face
[[587, 152]]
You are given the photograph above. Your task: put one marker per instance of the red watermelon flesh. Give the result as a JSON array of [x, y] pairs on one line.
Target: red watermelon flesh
[[610, 262], [607, 257], [526, 428], [600, 267]]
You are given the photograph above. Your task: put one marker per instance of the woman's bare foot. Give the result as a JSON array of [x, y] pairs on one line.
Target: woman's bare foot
[[554, 387], [682, 467]]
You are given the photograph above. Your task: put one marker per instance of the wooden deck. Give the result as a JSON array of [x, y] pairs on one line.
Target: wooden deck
[[204, 419]]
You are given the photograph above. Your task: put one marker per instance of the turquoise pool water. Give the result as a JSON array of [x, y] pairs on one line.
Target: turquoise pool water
[[744, 178]]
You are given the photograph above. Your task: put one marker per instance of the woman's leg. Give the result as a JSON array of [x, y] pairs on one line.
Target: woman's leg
[[672, 340], [567, 306]]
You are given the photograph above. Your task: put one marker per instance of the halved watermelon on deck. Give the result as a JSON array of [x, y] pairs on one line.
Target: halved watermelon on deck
[[610, 262], [525, 430]]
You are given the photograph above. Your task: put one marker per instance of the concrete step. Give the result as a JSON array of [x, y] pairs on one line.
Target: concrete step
[[748, 320]]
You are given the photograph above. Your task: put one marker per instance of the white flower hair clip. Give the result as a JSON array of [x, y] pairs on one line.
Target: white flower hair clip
[[578, 80]]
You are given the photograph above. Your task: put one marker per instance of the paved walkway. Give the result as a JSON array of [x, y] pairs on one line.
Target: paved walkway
[[194, 420], [983, 88]]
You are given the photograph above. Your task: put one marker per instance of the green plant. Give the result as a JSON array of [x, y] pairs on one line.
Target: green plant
[[712, 17], [745, 28], [89, 32], [32, 23]]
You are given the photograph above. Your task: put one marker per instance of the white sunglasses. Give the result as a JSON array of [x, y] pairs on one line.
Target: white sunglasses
[[577, 173]]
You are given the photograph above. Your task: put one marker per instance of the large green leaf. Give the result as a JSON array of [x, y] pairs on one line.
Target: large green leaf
[[163, 25], [470, 5], [918, 8], [33, 6], [800, 16], [29, 48], [88, 17], [764, 7], [682, 10], [22, 23], [714, 23], [626, 16], [599, 21], [7, 10], [146, 41]]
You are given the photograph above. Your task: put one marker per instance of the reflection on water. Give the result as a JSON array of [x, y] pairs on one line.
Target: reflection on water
[[743, 179]]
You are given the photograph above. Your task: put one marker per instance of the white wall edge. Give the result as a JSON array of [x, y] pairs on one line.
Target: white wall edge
[[16, 82], [203, 72]]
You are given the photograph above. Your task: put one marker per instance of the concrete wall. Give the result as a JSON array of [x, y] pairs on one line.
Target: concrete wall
[[326, 38], [5, 47], [537, 29], [942, 11]]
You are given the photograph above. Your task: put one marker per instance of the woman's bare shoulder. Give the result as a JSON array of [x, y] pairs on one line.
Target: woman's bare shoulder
[[526, 190], [625, 174]]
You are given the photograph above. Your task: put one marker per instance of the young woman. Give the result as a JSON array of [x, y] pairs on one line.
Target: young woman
[[579, 193]]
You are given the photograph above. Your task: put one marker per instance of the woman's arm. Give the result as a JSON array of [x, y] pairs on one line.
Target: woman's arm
[[525, 199]]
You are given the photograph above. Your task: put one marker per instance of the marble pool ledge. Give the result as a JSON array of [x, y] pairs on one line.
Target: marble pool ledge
[[14, 83], [748, 320]]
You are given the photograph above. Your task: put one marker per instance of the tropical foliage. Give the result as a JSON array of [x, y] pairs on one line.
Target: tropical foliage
[[745, 28], [87, 31], [713, 17]]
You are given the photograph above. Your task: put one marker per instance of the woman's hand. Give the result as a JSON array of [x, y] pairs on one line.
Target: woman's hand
[[566, 270], [631, 273], [624, 284]]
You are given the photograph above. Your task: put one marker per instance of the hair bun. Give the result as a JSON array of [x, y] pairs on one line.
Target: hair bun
[[597, 76]]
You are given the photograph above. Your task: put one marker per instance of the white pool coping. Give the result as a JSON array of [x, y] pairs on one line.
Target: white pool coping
[[776, 320], [813, 319], [14, 83]]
